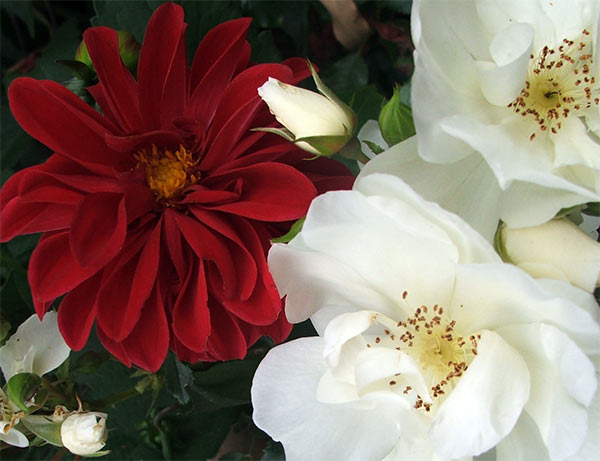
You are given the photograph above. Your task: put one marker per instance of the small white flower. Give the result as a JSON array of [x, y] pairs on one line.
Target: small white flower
[[36, 347], [430, 347], [84, 433], [9, 419], [557, 249], [517, 85]]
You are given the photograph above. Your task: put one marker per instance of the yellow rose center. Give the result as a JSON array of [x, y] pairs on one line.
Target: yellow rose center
[[559, 83], [167, 172]]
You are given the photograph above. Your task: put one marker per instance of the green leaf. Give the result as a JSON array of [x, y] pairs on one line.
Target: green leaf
[[366, 103], [226, 384], [4, 327], [44, 428], [346, 75], [178, 378], [89, 362], [273, 452], [78, 69], [22, 389], [294, 230], [396, 120], [325, 145], [23, 10], [233, 456], [592, 209], [128, 15]]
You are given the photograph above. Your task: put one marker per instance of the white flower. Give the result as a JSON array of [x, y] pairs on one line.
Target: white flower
[[36, 347], [84, 433], [557, 249], [429, 347], [8, 420], [318, 123], [516, 83]]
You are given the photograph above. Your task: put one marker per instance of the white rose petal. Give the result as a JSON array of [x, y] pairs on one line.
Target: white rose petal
[[84, 433]]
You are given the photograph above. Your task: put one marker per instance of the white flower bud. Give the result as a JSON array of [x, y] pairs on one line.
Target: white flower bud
[[84, 433], [324, 119], [557, 249]]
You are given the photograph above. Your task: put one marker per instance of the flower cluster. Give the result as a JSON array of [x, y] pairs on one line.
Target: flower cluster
[[157, 209]]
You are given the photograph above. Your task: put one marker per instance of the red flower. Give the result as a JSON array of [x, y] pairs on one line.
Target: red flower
[[157, 213]]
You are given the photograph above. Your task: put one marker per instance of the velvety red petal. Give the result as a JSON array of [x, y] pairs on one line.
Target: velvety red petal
[[77, 312], [118, 84], [325, 173], [98, 228], [66, 124], [191, 318], [172, 237], [125, 290], [299, 68], [53, 270], [207, 245], [20, 218], [226, 341], [215, 61], [39, 186], [157, 56], [148, 343], [203, 195], [244, 261], [114, 347], [133, 143], [270, 192], [175, 94]]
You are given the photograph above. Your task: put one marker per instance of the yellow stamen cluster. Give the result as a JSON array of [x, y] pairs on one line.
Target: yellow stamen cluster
[[167, 172], [431, 339], [559, 83]]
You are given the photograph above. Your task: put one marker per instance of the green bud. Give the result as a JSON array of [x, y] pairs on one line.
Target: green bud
[[395, 120], [129, 49]]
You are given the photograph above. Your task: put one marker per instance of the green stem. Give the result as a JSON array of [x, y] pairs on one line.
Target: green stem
[[53, 390], [115, 398], [353, 151]]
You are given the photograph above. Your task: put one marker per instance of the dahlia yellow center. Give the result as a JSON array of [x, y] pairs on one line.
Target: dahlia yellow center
[[559, 84], [430, 338], [167, 172]]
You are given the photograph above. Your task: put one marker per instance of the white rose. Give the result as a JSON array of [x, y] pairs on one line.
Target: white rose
[[318, 123], [36, 347], [429, 346], [514, 84], [84, 433], [557, 249]]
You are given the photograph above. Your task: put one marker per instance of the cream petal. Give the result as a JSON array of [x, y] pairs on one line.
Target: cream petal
[[563, 383], [13, 437], [312, 281], [582, 298], [502, 80], [524, 443], [591, 447], [467, 188], [576, 145], [369, 233], [36, 344], [285, 406], [485, 404], [491, 296]]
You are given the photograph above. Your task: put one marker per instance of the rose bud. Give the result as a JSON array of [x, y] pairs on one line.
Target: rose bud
[[557, 249], [318, 123], [84, 433]]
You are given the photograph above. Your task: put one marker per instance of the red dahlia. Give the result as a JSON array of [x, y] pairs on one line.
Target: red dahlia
[[157, 211]]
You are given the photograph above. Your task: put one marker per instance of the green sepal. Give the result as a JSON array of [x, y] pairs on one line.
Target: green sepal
[[283, 132], [499, 244], [592, 209], [375, 148], [44, 428], [98, 454], [78, 69], [395, 120], [294, 230], [22, 388], [325, 91], [325, 145]]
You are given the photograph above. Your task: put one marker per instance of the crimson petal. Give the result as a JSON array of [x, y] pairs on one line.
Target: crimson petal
[[226, 341], [19, 218], [270, 192], [98, 228], [161, 42], [191, 319]]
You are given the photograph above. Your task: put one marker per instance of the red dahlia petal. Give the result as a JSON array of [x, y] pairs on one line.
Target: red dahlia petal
[[98, 228], [66, 124], [53, 270], [148, 343], [19, 218], [175, 94], [215, 61], [117, 82], [157, 56], [270, 192], [114, 347], [123, 293], [191, 318], [77, 312], [226, 341]]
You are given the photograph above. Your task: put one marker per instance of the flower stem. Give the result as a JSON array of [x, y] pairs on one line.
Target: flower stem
[[115, 398]]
